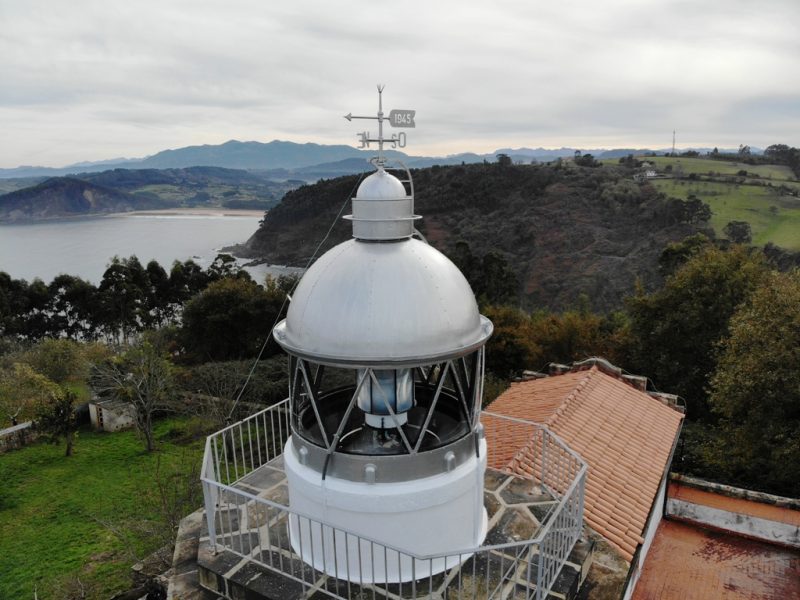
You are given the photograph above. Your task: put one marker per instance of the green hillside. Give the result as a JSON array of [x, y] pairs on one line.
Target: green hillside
[[764, 195], [567, 234], [774, 216], [68, 196], [767, 196], [708, 166], [122, 190]]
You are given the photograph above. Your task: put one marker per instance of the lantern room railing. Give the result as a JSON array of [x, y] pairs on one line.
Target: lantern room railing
[[242, 521]]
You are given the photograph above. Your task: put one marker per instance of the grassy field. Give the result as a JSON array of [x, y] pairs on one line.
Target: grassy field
[[51, 507], [217, 193], [702, 166], [773, 217], [12, 185]]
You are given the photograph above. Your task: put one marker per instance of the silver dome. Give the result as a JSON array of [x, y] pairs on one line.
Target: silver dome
[[382, 304], [381, 186]]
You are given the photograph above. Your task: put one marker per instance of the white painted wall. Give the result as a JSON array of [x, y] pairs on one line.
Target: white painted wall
[[115, 415], [649, 536], [430, 516]]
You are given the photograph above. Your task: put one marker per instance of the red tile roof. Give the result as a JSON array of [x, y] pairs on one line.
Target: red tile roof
[[624, 435]]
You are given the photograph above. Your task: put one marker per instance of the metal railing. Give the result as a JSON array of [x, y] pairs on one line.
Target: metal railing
[[343, 564]]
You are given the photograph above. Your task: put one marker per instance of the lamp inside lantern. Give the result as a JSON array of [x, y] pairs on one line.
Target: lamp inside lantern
[[384, 393]]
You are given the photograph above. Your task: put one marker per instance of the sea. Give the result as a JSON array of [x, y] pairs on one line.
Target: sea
[[85, 246]]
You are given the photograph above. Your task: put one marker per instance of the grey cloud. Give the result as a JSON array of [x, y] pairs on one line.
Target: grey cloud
[[133, 78]]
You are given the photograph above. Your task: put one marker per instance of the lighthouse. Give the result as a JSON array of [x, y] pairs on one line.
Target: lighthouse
[[386, 359]]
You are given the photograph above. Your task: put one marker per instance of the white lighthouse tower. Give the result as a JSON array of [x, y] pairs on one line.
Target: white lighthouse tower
[[386, 348]]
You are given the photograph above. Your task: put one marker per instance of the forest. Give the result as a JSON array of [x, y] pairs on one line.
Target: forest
[[721, 332]]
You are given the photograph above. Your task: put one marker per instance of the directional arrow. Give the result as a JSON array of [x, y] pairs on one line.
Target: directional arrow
[[351, 116]]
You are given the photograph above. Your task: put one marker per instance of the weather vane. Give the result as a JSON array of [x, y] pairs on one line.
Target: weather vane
[[396, 118]]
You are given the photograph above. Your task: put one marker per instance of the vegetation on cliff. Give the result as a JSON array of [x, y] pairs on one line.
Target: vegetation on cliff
[[68, 196], [563, 230], [122, 190]]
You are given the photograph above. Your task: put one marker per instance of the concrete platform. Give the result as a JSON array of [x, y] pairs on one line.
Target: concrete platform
[[255, 569]]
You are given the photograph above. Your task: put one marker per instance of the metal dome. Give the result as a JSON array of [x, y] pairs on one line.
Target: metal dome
[[382, 304], [381, 186]]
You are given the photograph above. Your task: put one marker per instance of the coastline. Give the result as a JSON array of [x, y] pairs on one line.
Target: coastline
[[198, 212], [159, 212], [82, 246]]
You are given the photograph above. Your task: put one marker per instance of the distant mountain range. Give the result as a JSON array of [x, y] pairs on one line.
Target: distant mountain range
[[287, 160]]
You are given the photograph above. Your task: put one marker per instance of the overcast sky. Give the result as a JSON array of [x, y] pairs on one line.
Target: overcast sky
[[91, 80]]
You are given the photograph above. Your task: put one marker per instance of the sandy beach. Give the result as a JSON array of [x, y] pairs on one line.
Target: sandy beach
[[201, 212]]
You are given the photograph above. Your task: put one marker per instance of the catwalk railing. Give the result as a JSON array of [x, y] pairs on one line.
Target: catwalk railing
[[343, 564]]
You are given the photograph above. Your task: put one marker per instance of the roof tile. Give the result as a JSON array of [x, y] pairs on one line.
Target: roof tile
[[624, 435]]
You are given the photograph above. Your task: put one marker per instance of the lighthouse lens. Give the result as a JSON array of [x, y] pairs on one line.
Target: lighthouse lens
[[388, 388]]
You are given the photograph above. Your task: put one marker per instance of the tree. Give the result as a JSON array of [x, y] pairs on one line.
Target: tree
[[779, 153], [465, 260], [73, 306], [225, 265], [620, 194], [143, 377], [35, 317], [219, 385], [56, 417], [58, 359], [785, 155], [122, 298], [587, 160], [675, 255], [756, 389], [492, 279], [186, 279], [696, 211], [576, 335], [231, 319], [157, 308], [675, 329], [499, 284], [504, 160], [12, 304], [511, 348], [21, 390], [739, 232]]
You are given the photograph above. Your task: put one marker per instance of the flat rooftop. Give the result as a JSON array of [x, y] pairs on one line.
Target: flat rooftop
[[691, 563]]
